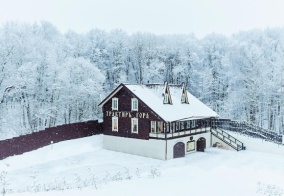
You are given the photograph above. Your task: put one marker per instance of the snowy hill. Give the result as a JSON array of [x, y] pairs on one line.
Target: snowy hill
[[82, 167]]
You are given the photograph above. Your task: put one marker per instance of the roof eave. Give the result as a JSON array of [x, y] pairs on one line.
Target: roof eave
[[111, 95]]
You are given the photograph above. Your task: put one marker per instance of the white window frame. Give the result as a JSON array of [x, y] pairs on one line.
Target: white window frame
[[183, 98], [134, 104], [160, 127], [177, 126], [113, 127], [193, 124], [134, 121], [188, 124], [173, 127], [181, 125], [114, 104], [153, 126], [166, 98]]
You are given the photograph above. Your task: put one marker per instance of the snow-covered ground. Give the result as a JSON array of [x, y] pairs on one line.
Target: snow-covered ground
[[82, 167]]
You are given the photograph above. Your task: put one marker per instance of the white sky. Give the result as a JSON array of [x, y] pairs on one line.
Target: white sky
[[200, 17]]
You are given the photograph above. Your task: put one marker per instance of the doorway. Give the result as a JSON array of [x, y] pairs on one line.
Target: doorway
[[179, 150], [201, 144]]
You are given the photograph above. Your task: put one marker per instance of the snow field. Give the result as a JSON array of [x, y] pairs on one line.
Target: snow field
[[82, 167]]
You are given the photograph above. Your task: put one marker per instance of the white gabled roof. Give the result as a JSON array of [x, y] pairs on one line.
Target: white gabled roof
[[152, 95]]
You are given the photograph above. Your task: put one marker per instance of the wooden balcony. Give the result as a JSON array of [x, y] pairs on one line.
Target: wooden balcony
[[180, 133]]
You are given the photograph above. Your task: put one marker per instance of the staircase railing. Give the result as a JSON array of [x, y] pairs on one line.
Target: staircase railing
[[249, 129], [228, 139]]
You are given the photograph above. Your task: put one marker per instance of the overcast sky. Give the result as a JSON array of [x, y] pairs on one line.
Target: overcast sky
[[200, 17]]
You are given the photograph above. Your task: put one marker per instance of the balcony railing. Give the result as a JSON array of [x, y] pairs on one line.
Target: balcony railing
[[180, 133]]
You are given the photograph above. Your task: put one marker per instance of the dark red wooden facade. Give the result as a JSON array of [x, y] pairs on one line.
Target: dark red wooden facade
[[33, 141], [124, 123]]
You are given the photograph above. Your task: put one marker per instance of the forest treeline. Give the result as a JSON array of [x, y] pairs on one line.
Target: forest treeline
[[48, 78]]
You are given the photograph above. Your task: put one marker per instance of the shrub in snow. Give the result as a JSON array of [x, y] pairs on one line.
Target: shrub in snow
[[4, 183], [127, 174], [117, 177], [93, 179], [138, 173], [106, 178], [154, 173], [269, 189], [35, 186]]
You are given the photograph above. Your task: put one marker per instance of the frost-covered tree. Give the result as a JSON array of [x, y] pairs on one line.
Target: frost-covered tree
[[48, 78]]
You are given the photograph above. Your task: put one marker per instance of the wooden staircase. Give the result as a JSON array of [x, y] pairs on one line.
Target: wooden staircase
[[228, 139], [248, 129]]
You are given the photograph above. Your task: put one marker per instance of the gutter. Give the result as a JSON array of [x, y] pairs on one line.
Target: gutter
[[166, 133]]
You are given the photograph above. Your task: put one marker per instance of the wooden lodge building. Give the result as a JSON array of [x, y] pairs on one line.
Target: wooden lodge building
[[160, 121]]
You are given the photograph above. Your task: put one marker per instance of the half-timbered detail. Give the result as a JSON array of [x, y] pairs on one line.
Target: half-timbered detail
[[161, 121]]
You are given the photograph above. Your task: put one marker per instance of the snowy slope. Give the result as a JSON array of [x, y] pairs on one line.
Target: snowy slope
[[259, 145], [82, 167]]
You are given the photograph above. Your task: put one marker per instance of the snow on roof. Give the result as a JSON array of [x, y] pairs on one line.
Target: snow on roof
[[152, 95]]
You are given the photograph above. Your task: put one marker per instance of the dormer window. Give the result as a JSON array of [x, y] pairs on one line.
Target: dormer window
[[134, 104], [167, 95], [166, 99], [114, 103], [184, 98]]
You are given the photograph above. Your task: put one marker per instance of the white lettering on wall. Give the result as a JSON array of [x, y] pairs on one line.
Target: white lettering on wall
[[124, 114]]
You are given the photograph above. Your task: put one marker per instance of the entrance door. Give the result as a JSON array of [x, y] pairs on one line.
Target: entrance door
[[201, 144], [179, 150]]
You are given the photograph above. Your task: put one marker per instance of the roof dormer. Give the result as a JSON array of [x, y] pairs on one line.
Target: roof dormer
[[184, 97], [167, 94]]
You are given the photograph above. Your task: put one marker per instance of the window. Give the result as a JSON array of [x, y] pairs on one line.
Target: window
[[167, 94], [177, 126], [114, 103], [188, 124], [153, 126], [181, 125], [134, 125], [160, 127], [183, 98], [115, 124], [168, 128], [157, 127], [190, 146], [134, 104], [193, 124], [166, 100], [172, 127]]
